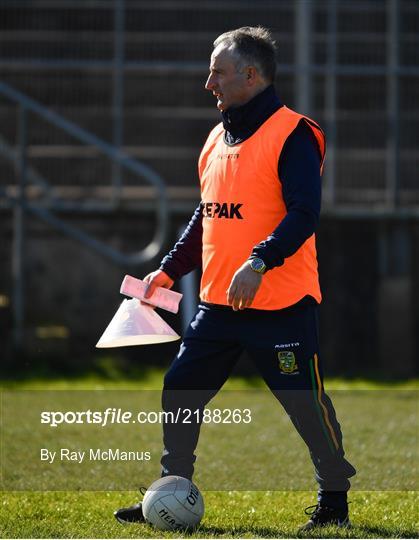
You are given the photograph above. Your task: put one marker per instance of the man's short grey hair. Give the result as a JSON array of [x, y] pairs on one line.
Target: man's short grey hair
[[254, 46]]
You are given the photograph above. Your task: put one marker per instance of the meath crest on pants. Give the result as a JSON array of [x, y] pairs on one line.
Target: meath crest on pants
[[287, 363]]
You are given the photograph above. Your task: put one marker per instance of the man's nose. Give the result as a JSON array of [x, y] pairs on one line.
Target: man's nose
[[209, 85]]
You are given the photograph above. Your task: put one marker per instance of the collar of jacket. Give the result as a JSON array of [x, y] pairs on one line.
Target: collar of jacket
[[241, 122]]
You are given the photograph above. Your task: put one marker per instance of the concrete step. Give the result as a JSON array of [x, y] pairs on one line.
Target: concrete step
[[189, 126], [145, 16], [187, 46], [353, 47], [77, 88], [70, 88], [175, 170], [357, 169], [141, 127], [358, 181]]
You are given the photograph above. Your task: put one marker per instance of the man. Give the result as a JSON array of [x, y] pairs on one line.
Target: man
[[253, 234]]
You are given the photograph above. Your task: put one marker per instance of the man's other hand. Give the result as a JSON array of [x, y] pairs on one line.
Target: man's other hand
[[158, 278], [243, 287]]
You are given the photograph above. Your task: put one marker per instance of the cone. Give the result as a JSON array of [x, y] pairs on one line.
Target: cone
[[136, 324]]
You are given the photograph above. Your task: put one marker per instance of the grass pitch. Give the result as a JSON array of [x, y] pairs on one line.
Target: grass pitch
[[228, 514]]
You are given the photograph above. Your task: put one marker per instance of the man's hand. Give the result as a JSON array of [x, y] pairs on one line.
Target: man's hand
[[158, 278], [243, 287]]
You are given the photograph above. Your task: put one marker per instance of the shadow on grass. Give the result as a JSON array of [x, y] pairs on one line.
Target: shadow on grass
[[251, 531], [332, 532], [364, 531], [382, 532]]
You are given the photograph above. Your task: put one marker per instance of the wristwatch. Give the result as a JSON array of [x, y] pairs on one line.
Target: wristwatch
[[257, 265]]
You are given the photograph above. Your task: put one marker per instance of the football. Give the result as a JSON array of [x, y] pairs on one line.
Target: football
[[172, 503]]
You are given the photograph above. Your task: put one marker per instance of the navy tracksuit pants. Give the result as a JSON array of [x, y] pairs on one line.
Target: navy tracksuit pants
[[284, 347]]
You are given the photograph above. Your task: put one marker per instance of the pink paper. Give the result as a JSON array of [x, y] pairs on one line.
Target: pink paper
[[162, 298]]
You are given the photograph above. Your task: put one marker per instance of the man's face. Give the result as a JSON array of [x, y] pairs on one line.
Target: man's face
[[226, 83]]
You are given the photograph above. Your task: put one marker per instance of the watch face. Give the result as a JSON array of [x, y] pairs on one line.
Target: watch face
[[258, 265]]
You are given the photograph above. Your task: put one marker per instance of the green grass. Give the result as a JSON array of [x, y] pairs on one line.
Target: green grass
[[233, 514], [227, 515], [109, 373]]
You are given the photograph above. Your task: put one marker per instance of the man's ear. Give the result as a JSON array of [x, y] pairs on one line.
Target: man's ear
[[251, 74]]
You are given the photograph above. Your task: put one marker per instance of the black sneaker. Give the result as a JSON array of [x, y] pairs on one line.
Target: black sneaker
[[132, 514], [325, 515]]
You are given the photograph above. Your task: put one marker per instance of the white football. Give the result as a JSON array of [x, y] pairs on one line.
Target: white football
[[172, 503]]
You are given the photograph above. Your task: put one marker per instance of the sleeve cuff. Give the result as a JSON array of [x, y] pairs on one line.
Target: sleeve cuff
[[169, 272]]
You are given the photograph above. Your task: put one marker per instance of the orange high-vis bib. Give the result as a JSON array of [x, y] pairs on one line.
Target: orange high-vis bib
[[242, 205]]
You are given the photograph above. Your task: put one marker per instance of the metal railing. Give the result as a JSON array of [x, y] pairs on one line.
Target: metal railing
[[22, 204]]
